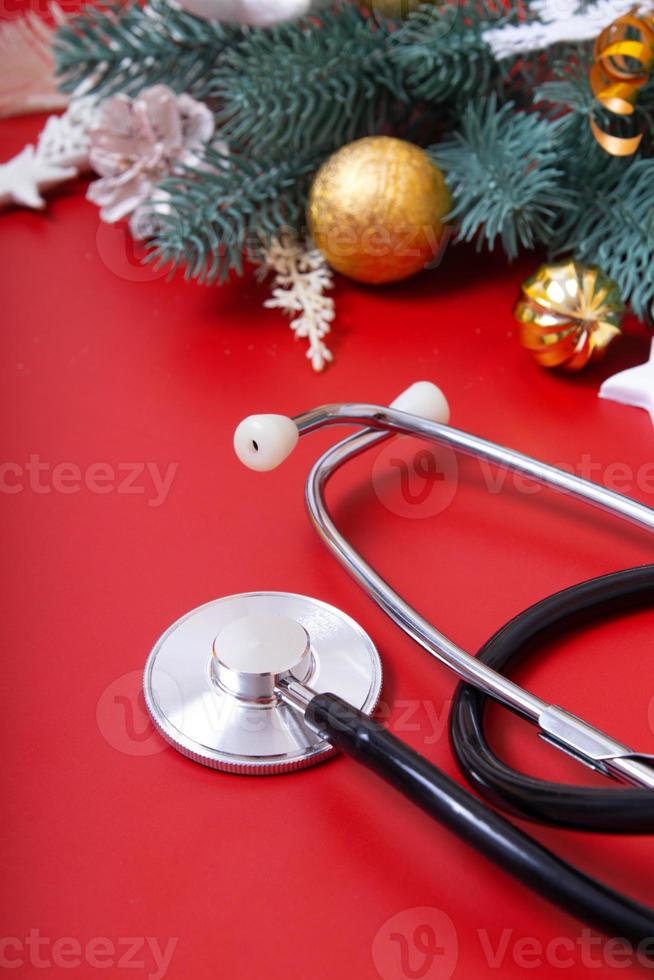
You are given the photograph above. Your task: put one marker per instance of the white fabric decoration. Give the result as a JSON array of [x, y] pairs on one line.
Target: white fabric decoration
[[259, 13], [301, 277], [634, 387], [559, 20], [27, 71], [61, 153], [66, 138]]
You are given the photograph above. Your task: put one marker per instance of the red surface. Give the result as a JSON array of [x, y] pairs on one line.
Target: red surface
[[106, 833]]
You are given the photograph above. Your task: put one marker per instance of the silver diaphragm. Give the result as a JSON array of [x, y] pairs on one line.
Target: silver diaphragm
[[210, 682]]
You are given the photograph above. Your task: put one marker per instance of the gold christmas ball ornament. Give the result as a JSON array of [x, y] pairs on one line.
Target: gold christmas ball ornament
[[376, 210], [569, 313]]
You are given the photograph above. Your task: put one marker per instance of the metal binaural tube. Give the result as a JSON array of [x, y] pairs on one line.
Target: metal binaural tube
[[406, 617], [585, 742], [388, 421]]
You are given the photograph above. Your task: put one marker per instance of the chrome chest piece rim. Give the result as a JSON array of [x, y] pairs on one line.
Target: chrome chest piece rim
[[211, 692]]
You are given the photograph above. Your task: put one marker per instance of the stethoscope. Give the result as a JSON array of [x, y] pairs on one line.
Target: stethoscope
[[265, 683]]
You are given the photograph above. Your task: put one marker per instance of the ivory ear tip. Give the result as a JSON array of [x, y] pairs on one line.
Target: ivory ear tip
[[426, 400], [263, 442]]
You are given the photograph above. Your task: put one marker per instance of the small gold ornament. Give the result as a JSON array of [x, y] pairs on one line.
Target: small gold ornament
[[376, 210], [569, 314]]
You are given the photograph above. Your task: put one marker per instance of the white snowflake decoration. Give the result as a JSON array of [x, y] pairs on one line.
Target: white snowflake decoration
[[301, 277], [558, 21], [65, 138]]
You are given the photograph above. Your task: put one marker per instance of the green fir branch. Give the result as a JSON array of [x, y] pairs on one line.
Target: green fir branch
[[502, 169], [125, 48], [614, 229], [441, 53], [227, 208], [287, 96], [306, 86]]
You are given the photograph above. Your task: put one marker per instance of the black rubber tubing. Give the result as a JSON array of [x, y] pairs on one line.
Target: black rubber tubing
[[614, 810], [489, 832]]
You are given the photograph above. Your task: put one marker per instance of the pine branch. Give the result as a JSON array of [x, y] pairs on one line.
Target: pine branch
[[231, 207], [502, 169], [307, 85], [441, 52], [115, 48], [447, 53], [612, 222], [614, 229]]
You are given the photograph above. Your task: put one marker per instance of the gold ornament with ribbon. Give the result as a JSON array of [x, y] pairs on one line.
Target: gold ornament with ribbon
[[376, 210], [569, 313], [624, 58]]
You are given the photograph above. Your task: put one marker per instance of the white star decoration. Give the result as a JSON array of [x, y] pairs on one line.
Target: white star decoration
[[22, 178], [61, 153], [633, 387]]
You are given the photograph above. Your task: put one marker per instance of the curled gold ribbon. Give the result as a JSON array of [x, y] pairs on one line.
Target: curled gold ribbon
[[622, 66]]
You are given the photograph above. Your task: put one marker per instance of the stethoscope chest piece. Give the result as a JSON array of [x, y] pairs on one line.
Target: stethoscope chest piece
[[212, 680]]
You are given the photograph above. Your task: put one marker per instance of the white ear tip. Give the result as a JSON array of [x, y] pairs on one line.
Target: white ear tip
[[262, 442], [425, 400]]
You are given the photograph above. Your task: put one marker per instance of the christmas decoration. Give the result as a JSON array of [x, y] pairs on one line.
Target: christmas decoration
[[24, 177], [553, 22], [494, 198], [621, 69], [137, 142], [517, 177], [65, 139], [496, 98], [27, 69], [301, 278], [392, 8], [61, 153], [129, 48], [569, 314], [259, 12], [634, 387], [306, 88], [376, 209]]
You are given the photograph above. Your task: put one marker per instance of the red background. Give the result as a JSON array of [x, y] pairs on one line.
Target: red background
[[106, 832]]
